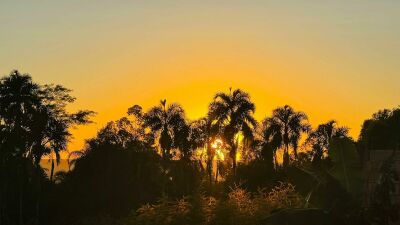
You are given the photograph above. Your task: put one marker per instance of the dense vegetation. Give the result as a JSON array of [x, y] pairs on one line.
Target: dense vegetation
[[156, 167]]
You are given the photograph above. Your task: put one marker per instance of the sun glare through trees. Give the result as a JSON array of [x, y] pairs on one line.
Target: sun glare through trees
[[167, 112]]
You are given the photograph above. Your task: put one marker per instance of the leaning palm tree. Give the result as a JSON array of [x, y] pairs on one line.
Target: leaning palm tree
[[233, 113], [165, 122], [284, 128]]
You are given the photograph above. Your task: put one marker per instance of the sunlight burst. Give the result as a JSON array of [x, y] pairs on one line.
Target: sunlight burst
[[217, 145]]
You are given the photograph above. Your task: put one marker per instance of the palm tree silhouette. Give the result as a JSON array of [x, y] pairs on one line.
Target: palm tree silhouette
[[165, 122], [19, 101], [321, 137], [285, 127], [202, 135], [35, 123], [233, 113]]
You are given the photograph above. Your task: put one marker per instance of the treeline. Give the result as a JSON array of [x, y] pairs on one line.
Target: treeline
[[156, 167]]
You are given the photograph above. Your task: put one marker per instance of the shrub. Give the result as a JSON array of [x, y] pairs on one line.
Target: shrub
[[284, 196], [239, 207]]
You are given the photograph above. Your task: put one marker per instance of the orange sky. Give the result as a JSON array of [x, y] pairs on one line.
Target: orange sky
[[336, 60]]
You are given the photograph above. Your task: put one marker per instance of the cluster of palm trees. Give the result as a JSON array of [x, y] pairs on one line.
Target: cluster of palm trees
[[159, 149], [231, 119], [230, 114], [34, 122], [284, 129]]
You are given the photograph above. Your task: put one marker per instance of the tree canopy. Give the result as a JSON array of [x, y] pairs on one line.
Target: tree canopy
[[155, 166]]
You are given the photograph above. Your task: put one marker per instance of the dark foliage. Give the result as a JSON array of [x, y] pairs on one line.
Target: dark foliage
[[382, 131], [156, 167], [110, 180]]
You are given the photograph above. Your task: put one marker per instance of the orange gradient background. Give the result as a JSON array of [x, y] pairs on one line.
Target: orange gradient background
[[333, 60]]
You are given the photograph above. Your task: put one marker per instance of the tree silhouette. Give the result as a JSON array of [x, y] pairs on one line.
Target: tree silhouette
[[233, 113], [57, 121], [320, 138], [165, 122], [381, 131], [269, 143], [34, 122], [284, 129], [202, 135], [147, 156], [109, 178]]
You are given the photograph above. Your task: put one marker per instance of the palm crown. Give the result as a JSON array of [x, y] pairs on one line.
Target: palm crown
[[233, 113], [284, 128], [166, 122]]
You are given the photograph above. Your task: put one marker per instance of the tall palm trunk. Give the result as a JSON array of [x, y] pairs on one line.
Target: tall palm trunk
[[295, 152], [234, 163], [209, 161], [186, 163], [209, 170], [164, 175], [233, 155], [235, 147], [286, 156], [216, 171], [275, 160], [52, 169]]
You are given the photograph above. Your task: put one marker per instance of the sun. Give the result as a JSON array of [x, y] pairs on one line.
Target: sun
[[217, 145]]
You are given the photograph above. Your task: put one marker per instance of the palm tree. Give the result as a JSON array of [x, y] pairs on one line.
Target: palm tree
[[35, 122], [269, 143], [284, 128], [201, 136], [233, 113], [18, 102], [192, 136], [320, 138], [165, 122]]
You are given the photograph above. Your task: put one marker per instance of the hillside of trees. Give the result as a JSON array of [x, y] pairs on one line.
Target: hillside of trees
[[154, 166]]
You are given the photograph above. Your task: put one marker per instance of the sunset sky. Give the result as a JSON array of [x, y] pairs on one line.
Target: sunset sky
[[331, 59]]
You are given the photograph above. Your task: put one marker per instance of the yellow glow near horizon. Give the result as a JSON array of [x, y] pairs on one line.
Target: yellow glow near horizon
[[330, 59]]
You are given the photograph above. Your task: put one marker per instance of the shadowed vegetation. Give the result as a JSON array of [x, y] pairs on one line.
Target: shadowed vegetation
[[155, 166]]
